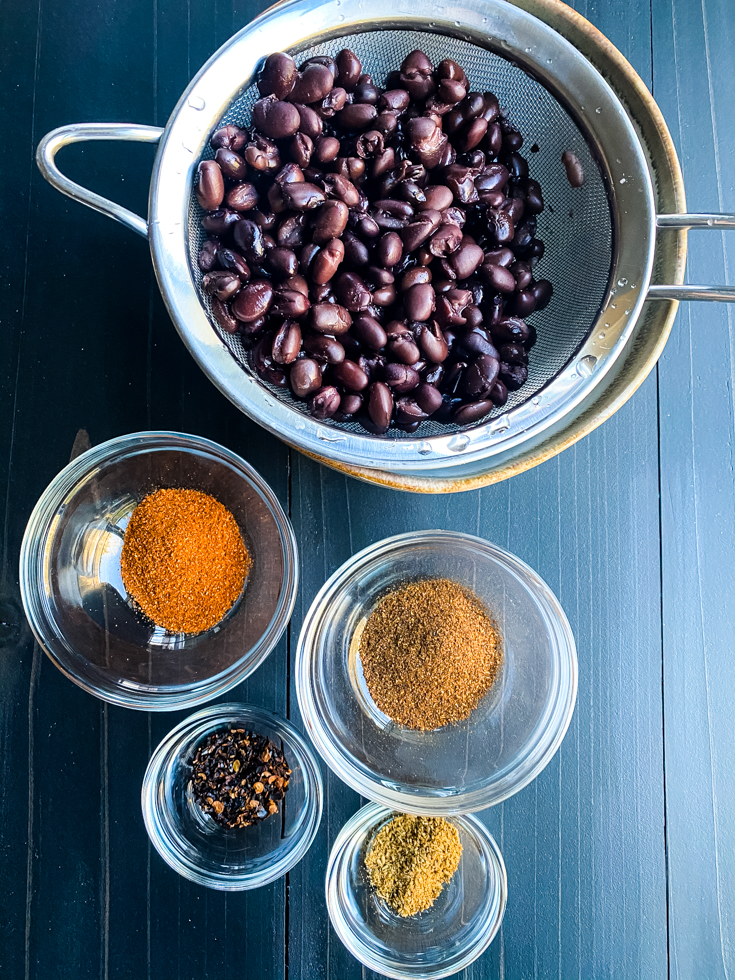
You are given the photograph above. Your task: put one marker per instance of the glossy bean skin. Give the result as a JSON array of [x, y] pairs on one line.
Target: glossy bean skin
[[305, 377], [325, 402], [380, 405], [574, 170], [376, 247], [210, 190], [326, 350], [278, 75], [253, 300], [287, 342], [350, 376]]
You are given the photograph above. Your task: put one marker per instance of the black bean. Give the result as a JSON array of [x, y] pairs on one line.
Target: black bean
[[401, 377], [349, 69], [231, 164], [524, 303], [330, 222], [253, 300], [473, 412], [249, 239], [357, 116], [498, 276], [480, 376], [312, 83], [380, 404], [286, 342], [352, 292], [262, 154], [330, 318], [369, 332], [278, 75], [326, 350], [230, 137], [305, 377], [223, 285], [207, 258], [416, 75], [224, 317], [542, 290], [350, 376], [219, 222], [275, 118], [242, 197], [575, 172], [327, 260], [289, 302], [513, 375], [350, 405], [210, 190], [403, 350], [302, 196], [419, 301], [234, 262], [499, 393], [282, 261], [325, 402], [432, 343]]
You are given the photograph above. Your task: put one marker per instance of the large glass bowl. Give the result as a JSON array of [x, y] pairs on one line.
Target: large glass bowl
[[72, 588], [198, 848], [444, 939], [508, 738]]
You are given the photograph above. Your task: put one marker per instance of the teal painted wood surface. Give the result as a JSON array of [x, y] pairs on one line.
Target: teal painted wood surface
[[698, 503], [620, 855]]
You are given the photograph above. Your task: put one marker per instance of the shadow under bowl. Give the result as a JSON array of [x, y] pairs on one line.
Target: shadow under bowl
[[197, 847], [72, 588], [509, 737], [444, 939]]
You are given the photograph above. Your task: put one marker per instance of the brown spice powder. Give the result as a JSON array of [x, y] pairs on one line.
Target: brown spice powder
[[183, 559], [411, 859], [429, 652]]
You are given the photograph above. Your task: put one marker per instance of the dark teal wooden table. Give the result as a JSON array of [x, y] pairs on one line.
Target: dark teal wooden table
[[621, 856]]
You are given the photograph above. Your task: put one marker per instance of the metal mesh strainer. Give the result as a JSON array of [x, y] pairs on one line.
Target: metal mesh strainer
[[600, 239], [576, 224]]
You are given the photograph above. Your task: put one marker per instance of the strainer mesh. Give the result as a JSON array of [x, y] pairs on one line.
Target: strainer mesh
[[576, 224]]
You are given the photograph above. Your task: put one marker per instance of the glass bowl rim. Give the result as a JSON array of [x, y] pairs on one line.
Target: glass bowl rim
[[205, 720], [562, 700], [34, 557], [361, 822]]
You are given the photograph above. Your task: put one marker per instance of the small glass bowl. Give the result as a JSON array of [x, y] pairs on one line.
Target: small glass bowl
[[508, 738], [444, 939], [72, 588], [192, 843]]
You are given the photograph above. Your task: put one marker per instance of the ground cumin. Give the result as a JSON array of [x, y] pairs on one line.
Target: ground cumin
[[183, 559], [429, 652], [411, 859]]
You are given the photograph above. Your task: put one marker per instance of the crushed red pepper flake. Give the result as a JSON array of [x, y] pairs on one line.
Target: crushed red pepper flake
[[429, 652], [239, 777], [183, 559]]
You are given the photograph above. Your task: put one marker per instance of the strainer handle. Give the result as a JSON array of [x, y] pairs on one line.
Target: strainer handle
[[716, 294], [79, 133]]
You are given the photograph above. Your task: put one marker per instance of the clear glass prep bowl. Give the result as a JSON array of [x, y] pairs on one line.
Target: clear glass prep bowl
[[198, 848], [444, 939], [508, 738], [73, 593]]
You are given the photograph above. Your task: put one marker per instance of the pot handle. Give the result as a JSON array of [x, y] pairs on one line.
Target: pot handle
[[717, 294], [79, 133]]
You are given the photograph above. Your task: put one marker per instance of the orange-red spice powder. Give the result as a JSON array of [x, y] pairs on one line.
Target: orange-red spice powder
[[183, 559]]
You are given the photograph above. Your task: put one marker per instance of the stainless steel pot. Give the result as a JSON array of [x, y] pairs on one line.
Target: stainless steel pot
[[602, 258]]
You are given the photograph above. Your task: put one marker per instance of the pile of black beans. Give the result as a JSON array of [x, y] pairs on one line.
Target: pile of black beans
[[374, 249]]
